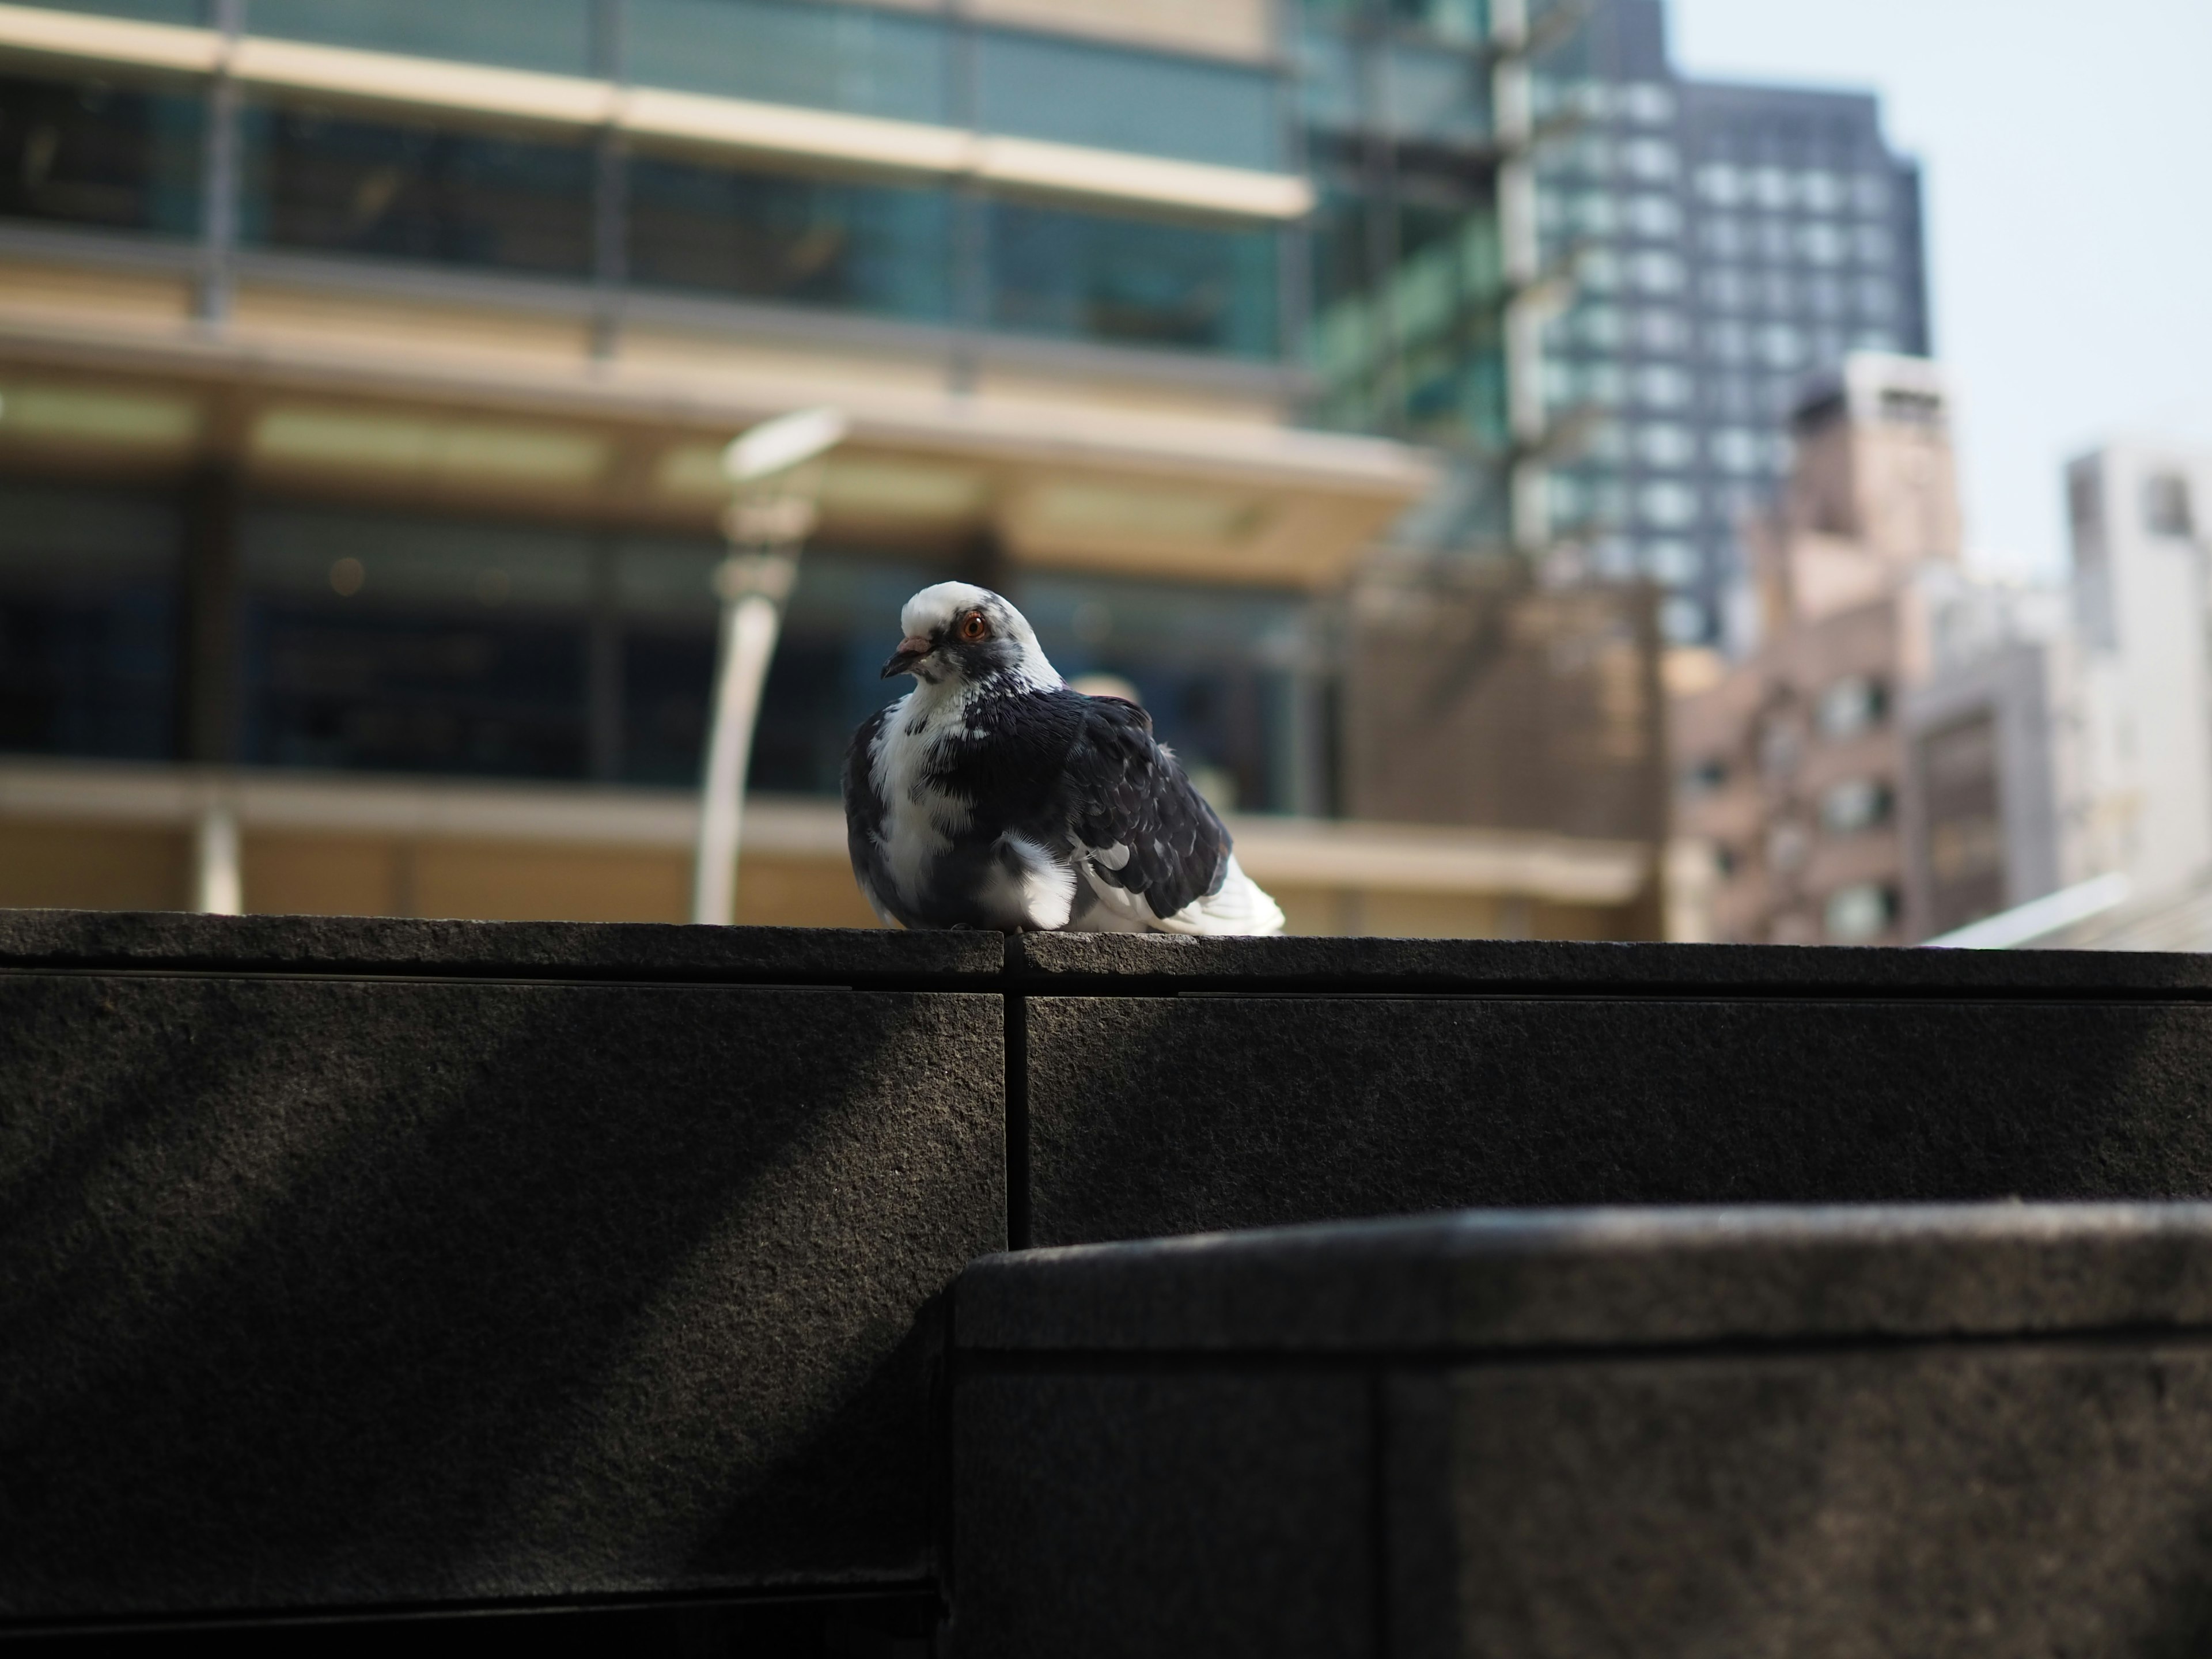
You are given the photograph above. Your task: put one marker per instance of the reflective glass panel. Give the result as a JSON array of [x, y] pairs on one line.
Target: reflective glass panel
[[1217, 670], [551, 35], [1075, 93], [317, 181], [817, 242], [88, 620], [415, 645], [825, 56], [1132, 282], [85, 153]]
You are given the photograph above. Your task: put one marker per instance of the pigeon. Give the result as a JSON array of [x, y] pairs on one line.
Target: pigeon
[[993, 795]]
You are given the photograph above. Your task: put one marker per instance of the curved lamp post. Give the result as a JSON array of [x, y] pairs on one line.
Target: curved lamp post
[[775, 477]]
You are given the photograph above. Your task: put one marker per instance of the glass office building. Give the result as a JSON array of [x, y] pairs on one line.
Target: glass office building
[[1727, 243], [364, 366]]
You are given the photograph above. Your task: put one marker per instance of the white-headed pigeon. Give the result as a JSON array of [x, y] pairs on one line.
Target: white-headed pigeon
[[992, 795]]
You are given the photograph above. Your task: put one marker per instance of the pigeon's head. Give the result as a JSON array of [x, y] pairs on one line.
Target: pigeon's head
[[959, 633]]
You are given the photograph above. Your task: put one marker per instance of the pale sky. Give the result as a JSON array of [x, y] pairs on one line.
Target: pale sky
[[2067, 151]]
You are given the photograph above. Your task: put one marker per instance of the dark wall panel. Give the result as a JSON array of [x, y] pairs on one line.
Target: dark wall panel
[[1173, 1114], [345, 1290]]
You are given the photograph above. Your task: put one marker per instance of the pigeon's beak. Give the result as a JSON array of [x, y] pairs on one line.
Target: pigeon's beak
[[912, 649]]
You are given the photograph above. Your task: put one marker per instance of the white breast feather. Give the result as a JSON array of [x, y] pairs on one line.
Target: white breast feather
[[919, 821]]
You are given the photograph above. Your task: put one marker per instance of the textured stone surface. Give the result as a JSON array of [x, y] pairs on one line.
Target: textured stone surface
[[1485, 1280], [321, 1291], [1985, 1429], [2025, 1500], [1156, 1115], [1108, 962], [1134, 1515], [575, 949]]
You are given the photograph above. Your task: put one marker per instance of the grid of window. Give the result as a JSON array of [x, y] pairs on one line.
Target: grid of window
[[1728, 244], [322, 181], [1405, 285]]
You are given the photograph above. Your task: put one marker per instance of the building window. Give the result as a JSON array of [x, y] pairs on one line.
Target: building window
[[1822, 244], [84, 153], [1669, 506], [1672, 563], [1721, 183], [1656, 273], [412, 645], [1854, 914], [1665, 443], [856, 58], [816, 241], [1654, 215], [2166, 505], [1706, 777], [322, 183], [1132, 282], [1823, 192], [1856, 805], [1649, 158], [1661, 386], [551, 35], [1074, 92], [88, 585], [1851, 706], [1684, 621], [1877, 246]]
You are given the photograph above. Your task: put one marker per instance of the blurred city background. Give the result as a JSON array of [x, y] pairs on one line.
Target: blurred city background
[[1518, 473]]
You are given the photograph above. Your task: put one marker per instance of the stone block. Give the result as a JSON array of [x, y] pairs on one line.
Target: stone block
[[1837, 1432], [1150, 1116], [478, 1277]]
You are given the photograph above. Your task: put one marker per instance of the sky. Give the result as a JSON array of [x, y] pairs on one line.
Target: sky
[[2067, 151]]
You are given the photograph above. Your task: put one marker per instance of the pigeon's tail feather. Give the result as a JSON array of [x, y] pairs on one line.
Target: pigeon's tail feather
[[1238, 906]]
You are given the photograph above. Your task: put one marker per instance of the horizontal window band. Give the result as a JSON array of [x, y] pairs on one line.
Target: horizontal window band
[[733, 126]]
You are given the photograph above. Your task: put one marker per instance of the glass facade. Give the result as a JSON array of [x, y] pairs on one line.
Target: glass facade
[[865, 62], [552, 36], [88, 596], [323, 183], [87, 153], [1074, 92], [1132, 282], [401, 644], [1405, 281], [185, 13], [768, 236]]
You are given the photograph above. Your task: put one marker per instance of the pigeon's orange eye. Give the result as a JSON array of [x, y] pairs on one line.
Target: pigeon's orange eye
[[973, 626]]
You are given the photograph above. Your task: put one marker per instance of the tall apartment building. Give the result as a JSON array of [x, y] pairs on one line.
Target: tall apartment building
[[1728, 244], [1793, 761], [364, 363]]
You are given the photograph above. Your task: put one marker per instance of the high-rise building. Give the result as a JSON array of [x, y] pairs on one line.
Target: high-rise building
[[1727, 244], [2139, 529], [364, 365]]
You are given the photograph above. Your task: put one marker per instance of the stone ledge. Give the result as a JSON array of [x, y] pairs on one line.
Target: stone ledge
[[124, 940], [1606, 1278], [1107, 964]]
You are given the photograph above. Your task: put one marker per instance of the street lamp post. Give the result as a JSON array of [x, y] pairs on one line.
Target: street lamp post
[[774, 472]]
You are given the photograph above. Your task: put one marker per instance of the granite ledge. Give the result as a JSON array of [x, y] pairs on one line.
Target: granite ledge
[[1530, 1279], [159, 940], [1135, 964]]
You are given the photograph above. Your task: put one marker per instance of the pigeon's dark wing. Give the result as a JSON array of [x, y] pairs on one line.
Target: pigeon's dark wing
[[865, 812], [1147, 831]]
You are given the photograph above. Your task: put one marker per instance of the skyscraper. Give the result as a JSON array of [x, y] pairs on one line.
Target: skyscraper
[[1725, 244]]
